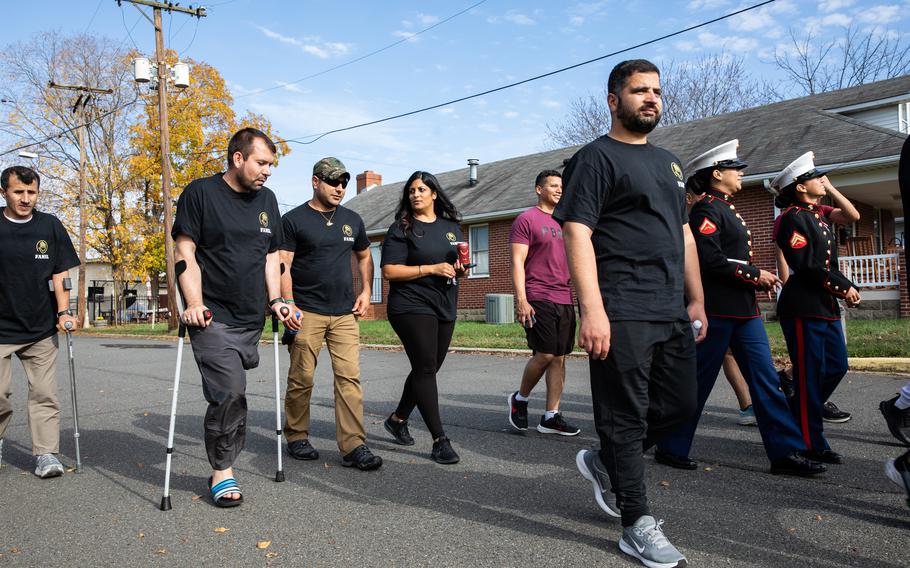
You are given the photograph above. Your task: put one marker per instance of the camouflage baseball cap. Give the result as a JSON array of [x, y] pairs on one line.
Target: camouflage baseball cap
[[330, 168]]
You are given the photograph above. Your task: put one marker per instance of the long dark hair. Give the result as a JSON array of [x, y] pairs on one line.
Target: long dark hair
[[786, 197], [442, 205], [700, 181]]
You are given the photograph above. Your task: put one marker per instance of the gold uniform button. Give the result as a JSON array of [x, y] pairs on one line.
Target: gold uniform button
[[748, 232], [739, 271], [816, 216]]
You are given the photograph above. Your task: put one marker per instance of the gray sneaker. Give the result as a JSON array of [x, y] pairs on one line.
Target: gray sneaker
[[590, 466], [48, 466], [646, 541]]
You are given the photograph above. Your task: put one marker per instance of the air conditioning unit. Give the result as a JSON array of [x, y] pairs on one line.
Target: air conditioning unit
[[500, 308]]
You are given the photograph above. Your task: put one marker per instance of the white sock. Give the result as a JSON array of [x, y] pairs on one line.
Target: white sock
[[904, 401], [520, 398], [550, 414]]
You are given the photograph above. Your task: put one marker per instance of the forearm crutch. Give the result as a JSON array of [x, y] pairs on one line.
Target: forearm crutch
[[179, 268], [68, 326], [279, 475]]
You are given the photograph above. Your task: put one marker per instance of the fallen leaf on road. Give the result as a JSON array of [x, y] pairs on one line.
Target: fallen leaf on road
[[15, 550], [70, 469], [791, 530], [140, 465], [818, 517], [145, 413], [665, 483], [141, 535], [708, 468], [101, 391], [271, 554], [327, 466], [221, 530], [196, 497], [161, 551], [263, 544]]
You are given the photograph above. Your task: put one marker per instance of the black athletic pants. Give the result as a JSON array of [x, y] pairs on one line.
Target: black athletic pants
[[426, 341], [644, 388]]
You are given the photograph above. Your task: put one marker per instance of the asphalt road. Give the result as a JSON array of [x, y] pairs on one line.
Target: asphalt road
[[514, 500]]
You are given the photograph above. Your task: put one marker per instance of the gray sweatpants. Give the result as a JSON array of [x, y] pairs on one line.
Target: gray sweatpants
[[223, 354]]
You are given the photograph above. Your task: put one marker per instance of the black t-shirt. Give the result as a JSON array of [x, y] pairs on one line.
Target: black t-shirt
[[427, 243], [321, 270], [233, 232], [633, 198], [30, 255]]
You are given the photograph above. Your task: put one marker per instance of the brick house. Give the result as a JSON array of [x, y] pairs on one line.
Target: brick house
[[856, 134]]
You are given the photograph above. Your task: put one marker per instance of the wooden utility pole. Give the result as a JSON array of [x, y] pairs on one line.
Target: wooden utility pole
[[85, 96], [165, 142]]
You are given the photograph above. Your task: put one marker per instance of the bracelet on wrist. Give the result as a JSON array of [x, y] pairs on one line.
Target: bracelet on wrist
[[419, 270], [66, 312], [274, 301], [288, 300]]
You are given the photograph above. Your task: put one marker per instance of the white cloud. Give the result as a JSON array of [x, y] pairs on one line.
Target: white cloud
[[427, 19], [685, 46], [550, 103], [518, 18], [763, 18], [881, 14], [310, 45], [576, 20], [410, 36], [734, 44], [707, 4], [511, 114], [833, 5], [447, 110]]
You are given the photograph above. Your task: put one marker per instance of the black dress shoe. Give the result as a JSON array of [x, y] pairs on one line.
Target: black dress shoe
[[302, 450], [796, 464], [362, 458], [824, 456], [671, 460]]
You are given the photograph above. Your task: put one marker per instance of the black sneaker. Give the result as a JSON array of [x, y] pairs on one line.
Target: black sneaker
[[557, 425], [399, 431], [898, 420], [443, 452], [302, 450], [831, 413], [362, 458], [518, 412], [786, 383], [898, 471]]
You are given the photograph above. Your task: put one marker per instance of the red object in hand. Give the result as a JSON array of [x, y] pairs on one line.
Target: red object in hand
[[464, 254], [207, 314]]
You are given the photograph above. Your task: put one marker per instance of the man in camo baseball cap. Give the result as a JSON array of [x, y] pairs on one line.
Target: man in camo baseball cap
[[331, 169]]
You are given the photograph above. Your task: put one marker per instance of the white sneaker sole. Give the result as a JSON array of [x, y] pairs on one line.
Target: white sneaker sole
[[509, 401], [631, 551], [895, 475], [545, 430], [51, 472], [587, 474]]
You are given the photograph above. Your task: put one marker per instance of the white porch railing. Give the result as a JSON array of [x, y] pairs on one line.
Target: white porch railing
[[871, 271], [376, 291]]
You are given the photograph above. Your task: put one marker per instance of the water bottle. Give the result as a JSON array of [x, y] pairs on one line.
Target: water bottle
[[290, 334]]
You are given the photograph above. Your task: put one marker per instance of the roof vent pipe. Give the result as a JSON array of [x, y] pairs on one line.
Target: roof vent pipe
[[472, 170]]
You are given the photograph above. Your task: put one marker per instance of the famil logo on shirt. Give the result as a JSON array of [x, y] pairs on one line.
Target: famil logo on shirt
[[348, 233], [451, 236], [264, 221], [797, 241], [41, 247], [707, 227], [677, 171]]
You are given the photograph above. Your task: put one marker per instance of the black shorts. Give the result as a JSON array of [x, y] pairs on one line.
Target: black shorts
[[554, 331]]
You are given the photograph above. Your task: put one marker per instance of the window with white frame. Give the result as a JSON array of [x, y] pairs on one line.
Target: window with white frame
[[479, 241]]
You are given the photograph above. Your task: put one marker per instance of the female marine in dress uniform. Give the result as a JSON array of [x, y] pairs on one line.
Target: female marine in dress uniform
[[807, 308], [730, 281]]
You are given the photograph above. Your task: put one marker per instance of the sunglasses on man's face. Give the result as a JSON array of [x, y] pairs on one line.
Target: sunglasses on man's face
[[343, 182]]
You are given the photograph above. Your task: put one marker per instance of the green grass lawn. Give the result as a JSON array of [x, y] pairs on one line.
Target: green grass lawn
[[865, 338]]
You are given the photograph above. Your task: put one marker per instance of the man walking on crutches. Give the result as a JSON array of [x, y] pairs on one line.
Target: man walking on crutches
[[36, 250], [230, 224]]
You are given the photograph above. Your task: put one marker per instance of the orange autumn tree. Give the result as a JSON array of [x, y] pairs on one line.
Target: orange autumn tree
[[201, 121]]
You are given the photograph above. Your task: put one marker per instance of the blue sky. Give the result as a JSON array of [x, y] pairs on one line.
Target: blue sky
[[260, 44]]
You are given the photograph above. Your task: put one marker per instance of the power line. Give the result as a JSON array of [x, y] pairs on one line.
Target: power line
[[362, 57], [195, 29], [90, 22], [319, 136], [129, 31]]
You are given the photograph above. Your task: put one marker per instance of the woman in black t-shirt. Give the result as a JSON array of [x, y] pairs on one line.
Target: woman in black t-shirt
[[420, 260]]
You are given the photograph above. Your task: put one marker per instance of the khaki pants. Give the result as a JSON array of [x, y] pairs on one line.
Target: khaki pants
[[342, 337], [39, 360]]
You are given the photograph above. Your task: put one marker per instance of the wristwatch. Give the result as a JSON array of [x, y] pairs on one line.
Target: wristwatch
[[66, 312]]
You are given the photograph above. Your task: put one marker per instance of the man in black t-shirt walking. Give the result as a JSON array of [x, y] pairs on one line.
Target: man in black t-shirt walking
[[633, 261], [35, 251], [319, 237], [228, 230]]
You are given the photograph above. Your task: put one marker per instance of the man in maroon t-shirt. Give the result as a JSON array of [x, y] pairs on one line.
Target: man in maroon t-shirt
[[543, 302]]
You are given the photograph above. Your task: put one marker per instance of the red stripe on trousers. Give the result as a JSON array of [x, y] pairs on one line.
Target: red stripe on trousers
[[803, 393]]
